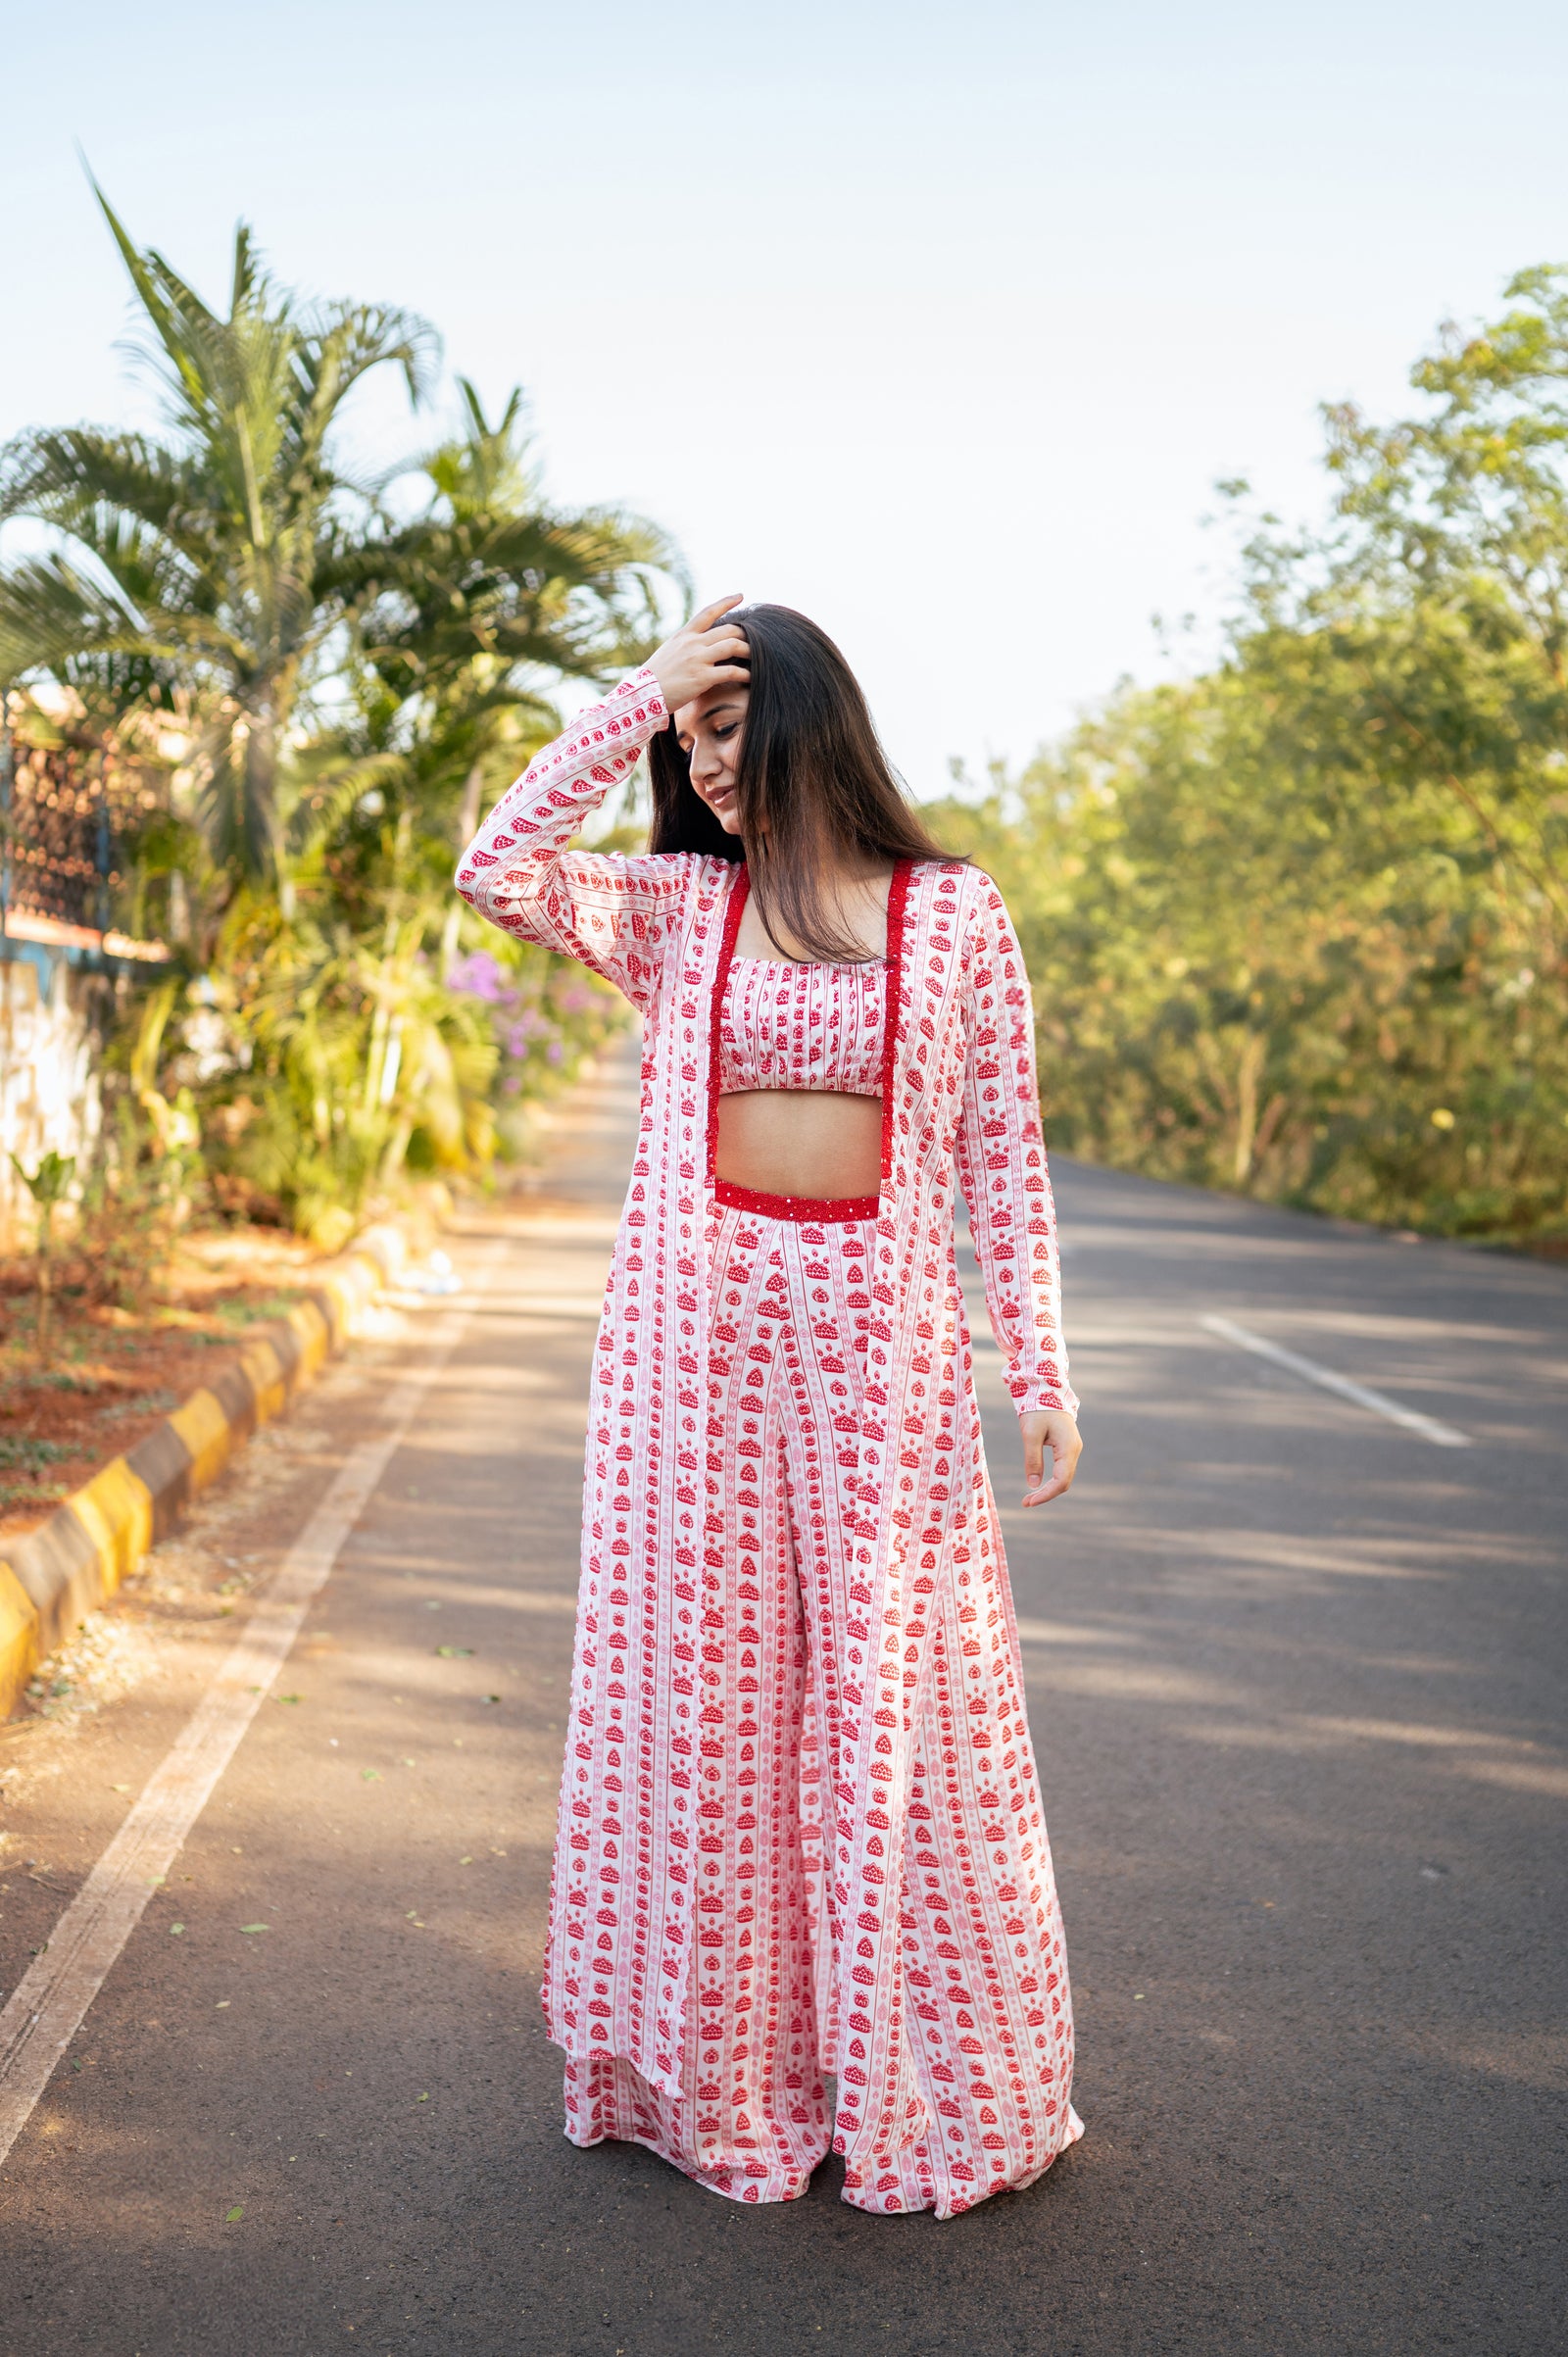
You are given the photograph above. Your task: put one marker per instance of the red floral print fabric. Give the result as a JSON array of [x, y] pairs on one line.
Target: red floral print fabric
[[919, 1531], [760, 1783], [788, 1024]]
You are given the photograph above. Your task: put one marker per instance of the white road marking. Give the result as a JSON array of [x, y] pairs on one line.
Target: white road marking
[[1360, 1395], [50, 2003]]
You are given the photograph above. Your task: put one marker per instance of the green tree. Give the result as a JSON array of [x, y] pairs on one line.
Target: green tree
[[223, 560], [1300, 926], [353, 670]]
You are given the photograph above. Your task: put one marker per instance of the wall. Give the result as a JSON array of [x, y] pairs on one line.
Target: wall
[[49, 1092]]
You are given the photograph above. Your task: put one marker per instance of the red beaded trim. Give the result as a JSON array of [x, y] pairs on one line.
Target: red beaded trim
[[823, 1209], [892, 1005], [826, 1208], [740, 886]]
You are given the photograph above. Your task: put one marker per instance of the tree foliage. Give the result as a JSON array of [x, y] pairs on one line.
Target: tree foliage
[[344, 665], [1300, 926]]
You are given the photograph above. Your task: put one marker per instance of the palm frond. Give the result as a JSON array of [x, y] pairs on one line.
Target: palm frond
[[50, 614]]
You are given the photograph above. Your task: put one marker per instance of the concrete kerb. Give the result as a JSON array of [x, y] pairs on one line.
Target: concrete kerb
[[54, 1577]]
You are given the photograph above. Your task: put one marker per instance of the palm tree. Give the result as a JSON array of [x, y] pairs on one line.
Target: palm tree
[[473, 607], [493, 587], [352, 676], [216, 564]]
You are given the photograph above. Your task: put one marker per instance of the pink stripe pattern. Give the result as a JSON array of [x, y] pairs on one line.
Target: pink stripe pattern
[[929, 1670]]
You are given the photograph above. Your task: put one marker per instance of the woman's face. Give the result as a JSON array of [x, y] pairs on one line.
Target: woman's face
[[708, 732]]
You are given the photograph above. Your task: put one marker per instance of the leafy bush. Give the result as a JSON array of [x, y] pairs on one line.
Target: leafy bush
[[1300, 927]]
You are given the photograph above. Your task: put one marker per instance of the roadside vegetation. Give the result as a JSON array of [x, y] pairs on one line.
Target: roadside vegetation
[[1298, 927], [319, 676]]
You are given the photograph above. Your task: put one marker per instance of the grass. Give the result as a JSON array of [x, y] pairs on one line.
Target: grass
[[18, 1449], [149, 1403], [30, 1493]]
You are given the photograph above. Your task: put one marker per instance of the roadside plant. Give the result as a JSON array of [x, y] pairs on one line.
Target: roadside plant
[[48, 1185], [1298, 926], [329, 672]]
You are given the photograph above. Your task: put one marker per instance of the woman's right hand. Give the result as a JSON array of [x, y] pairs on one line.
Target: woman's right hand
[[707, 653]]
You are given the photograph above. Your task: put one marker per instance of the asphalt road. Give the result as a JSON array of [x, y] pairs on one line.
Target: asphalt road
[[1295, 1681]]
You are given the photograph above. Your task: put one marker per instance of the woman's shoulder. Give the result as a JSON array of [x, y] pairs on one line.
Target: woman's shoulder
[[693, 877], [937, 878], [701, 870], [958, 887]]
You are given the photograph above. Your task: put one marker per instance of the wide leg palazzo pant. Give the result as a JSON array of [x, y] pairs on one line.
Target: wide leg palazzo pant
[[988, 2001]]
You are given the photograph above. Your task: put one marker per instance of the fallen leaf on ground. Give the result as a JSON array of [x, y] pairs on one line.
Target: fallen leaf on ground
[[370, 1775], [455, 1653], [238, 2211], [174, 1929], [254, 1927]]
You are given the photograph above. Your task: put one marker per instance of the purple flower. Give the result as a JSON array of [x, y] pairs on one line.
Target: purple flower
[[477, 976]]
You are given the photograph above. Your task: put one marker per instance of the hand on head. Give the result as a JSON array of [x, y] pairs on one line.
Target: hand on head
[[707, 653]]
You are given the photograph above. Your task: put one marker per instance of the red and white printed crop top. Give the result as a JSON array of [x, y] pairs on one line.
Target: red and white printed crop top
[[787, 1023]]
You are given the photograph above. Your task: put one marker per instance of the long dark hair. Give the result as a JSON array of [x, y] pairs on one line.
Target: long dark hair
[[813, 784]]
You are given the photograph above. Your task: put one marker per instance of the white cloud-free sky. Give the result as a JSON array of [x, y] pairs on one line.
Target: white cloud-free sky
[[938, 322]]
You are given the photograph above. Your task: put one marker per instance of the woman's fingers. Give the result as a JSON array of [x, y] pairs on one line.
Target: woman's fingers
[[705, 653], [1057, 1431]]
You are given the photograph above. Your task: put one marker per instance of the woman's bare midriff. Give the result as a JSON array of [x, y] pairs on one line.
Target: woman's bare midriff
[[816, 1142]]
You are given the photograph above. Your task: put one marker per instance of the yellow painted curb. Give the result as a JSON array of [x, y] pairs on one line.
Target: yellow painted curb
[[268, 1380], [116, 1509], [313, 1335], [207, 1433], [19, 1640], [343, 1298], [96, 1538]]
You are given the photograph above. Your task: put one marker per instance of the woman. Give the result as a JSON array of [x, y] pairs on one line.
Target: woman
[[799, 1832]]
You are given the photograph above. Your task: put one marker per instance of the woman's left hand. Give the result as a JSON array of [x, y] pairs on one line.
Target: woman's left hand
[[1054, 1429]]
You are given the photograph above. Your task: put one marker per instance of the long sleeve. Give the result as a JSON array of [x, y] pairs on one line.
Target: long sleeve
[[1001, 1155], [602, 907]]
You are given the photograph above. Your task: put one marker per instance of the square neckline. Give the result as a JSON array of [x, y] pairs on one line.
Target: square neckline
[[828, 966]]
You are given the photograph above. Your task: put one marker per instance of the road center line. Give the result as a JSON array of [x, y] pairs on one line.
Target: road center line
[[49, 2004], [1360, 1395]]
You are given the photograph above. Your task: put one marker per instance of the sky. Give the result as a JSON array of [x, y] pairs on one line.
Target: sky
[[939, 322]]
